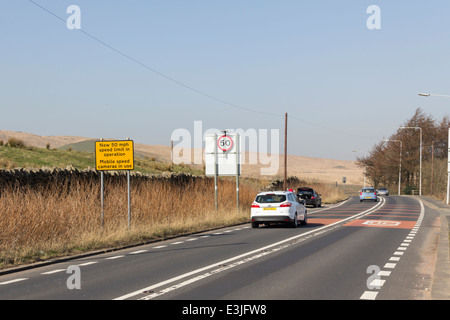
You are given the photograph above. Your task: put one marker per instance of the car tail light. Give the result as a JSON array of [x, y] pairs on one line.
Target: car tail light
[[360, 193], [375, 193], [285, 204], [255, 205], [312, 197]]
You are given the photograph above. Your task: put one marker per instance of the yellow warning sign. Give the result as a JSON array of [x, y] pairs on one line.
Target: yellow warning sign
[[114, 155]]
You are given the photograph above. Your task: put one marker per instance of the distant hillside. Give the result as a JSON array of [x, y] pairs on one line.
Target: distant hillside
[[323, 170], [34, 140]]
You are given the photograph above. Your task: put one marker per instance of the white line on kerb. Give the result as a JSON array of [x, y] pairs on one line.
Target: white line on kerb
[[223, 262]]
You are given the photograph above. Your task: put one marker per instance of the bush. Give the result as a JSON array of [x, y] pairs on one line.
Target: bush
[[16, 143], [409, 188]]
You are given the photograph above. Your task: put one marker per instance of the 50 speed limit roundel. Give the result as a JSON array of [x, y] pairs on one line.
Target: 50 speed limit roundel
[[225, 143]]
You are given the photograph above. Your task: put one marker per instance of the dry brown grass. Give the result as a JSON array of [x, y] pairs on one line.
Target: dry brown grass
[[60, 220]]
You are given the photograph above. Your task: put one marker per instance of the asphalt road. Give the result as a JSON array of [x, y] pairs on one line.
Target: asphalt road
[[370, 250]]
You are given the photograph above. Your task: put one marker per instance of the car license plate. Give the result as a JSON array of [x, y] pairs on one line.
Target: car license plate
[[270, 208], [368, 197]]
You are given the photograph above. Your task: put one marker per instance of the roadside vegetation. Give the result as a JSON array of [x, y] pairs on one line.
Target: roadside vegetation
[[52, 220], [382, 164]]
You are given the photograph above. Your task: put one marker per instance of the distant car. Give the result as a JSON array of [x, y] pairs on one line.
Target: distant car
[[367, 193], [278, 206], [383, 192], [310, 196]]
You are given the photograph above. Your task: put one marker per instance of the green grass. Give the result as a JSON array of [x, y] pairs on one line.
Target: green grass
[[30, 157]]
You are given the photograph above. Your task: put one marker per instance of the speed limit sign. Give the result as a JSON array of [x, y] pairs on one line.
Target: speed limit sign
[[225, 143]]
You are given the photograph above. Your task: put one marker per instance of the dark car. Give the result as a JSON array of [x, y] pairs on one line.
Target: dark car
[[310, 196]]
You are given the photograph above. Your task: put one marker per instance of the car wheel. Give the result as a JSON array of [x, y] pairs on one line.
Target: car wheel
[[305, 221], [255, 224], [320, 204], [295, 222]]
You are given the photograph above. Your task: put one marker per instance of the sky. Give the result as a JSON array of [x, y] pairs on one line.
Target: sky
[[144, 69]]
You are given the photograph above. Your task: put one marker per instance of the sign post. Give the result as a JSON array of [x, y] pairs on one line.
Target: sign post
[[115, 155], [222, 158]]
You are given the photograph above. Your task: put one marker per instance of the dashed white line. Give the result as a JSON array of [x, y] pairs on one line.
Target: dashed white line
[[87, 263], [54, 271], [12, 281], [369, 295], [139, 251], [114, 257]]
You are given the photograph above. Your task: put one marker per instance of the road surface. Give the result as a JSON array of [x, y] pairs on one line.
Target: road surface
[[355, 251]]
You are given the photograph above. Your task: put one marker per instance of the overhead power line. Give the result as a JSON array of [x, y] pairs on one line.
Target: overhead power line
[[182, 84]]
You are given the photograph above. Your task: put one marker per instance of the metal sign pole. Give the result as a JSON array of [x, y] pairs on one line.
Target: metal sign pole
[[237, 170], [101, 195], [129, 199], [215, 172], [129, 196]]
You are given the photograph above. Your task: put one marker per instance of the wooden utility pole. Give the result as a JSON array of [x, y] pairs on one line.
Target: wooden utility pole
[[285, 151]]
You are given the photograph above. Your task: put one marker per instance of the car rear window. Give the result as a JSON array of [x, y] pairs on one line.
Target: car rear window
[[368, 190], [270, 198]]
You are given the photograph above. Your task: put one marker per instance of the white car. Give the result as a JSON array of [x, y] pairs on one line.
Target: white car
[[278, 206]]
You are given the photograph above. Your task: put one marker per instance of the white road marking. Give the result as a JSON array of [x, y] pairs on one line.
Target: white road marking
[[256, 253], [369, 295], [12, 281], [87, 263], [114, 257], [139, 251], [54, 271]]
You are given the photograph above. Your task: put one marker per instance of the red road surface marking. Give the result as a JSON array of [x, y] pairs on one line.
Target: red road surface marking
[[382, 224]]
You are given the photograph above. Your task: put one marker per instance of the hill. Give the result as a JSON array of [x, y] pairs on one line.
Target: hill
[[157, 158]]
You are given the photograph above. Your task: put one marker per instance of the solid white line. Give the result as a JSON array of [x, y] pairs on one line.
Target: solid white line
[[12, 281], [182, 276]]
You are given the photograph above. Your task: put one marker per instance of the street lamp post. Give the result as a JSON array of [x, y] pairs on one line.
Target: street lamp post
[[420, 160], [400, 167], [448, 143]]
